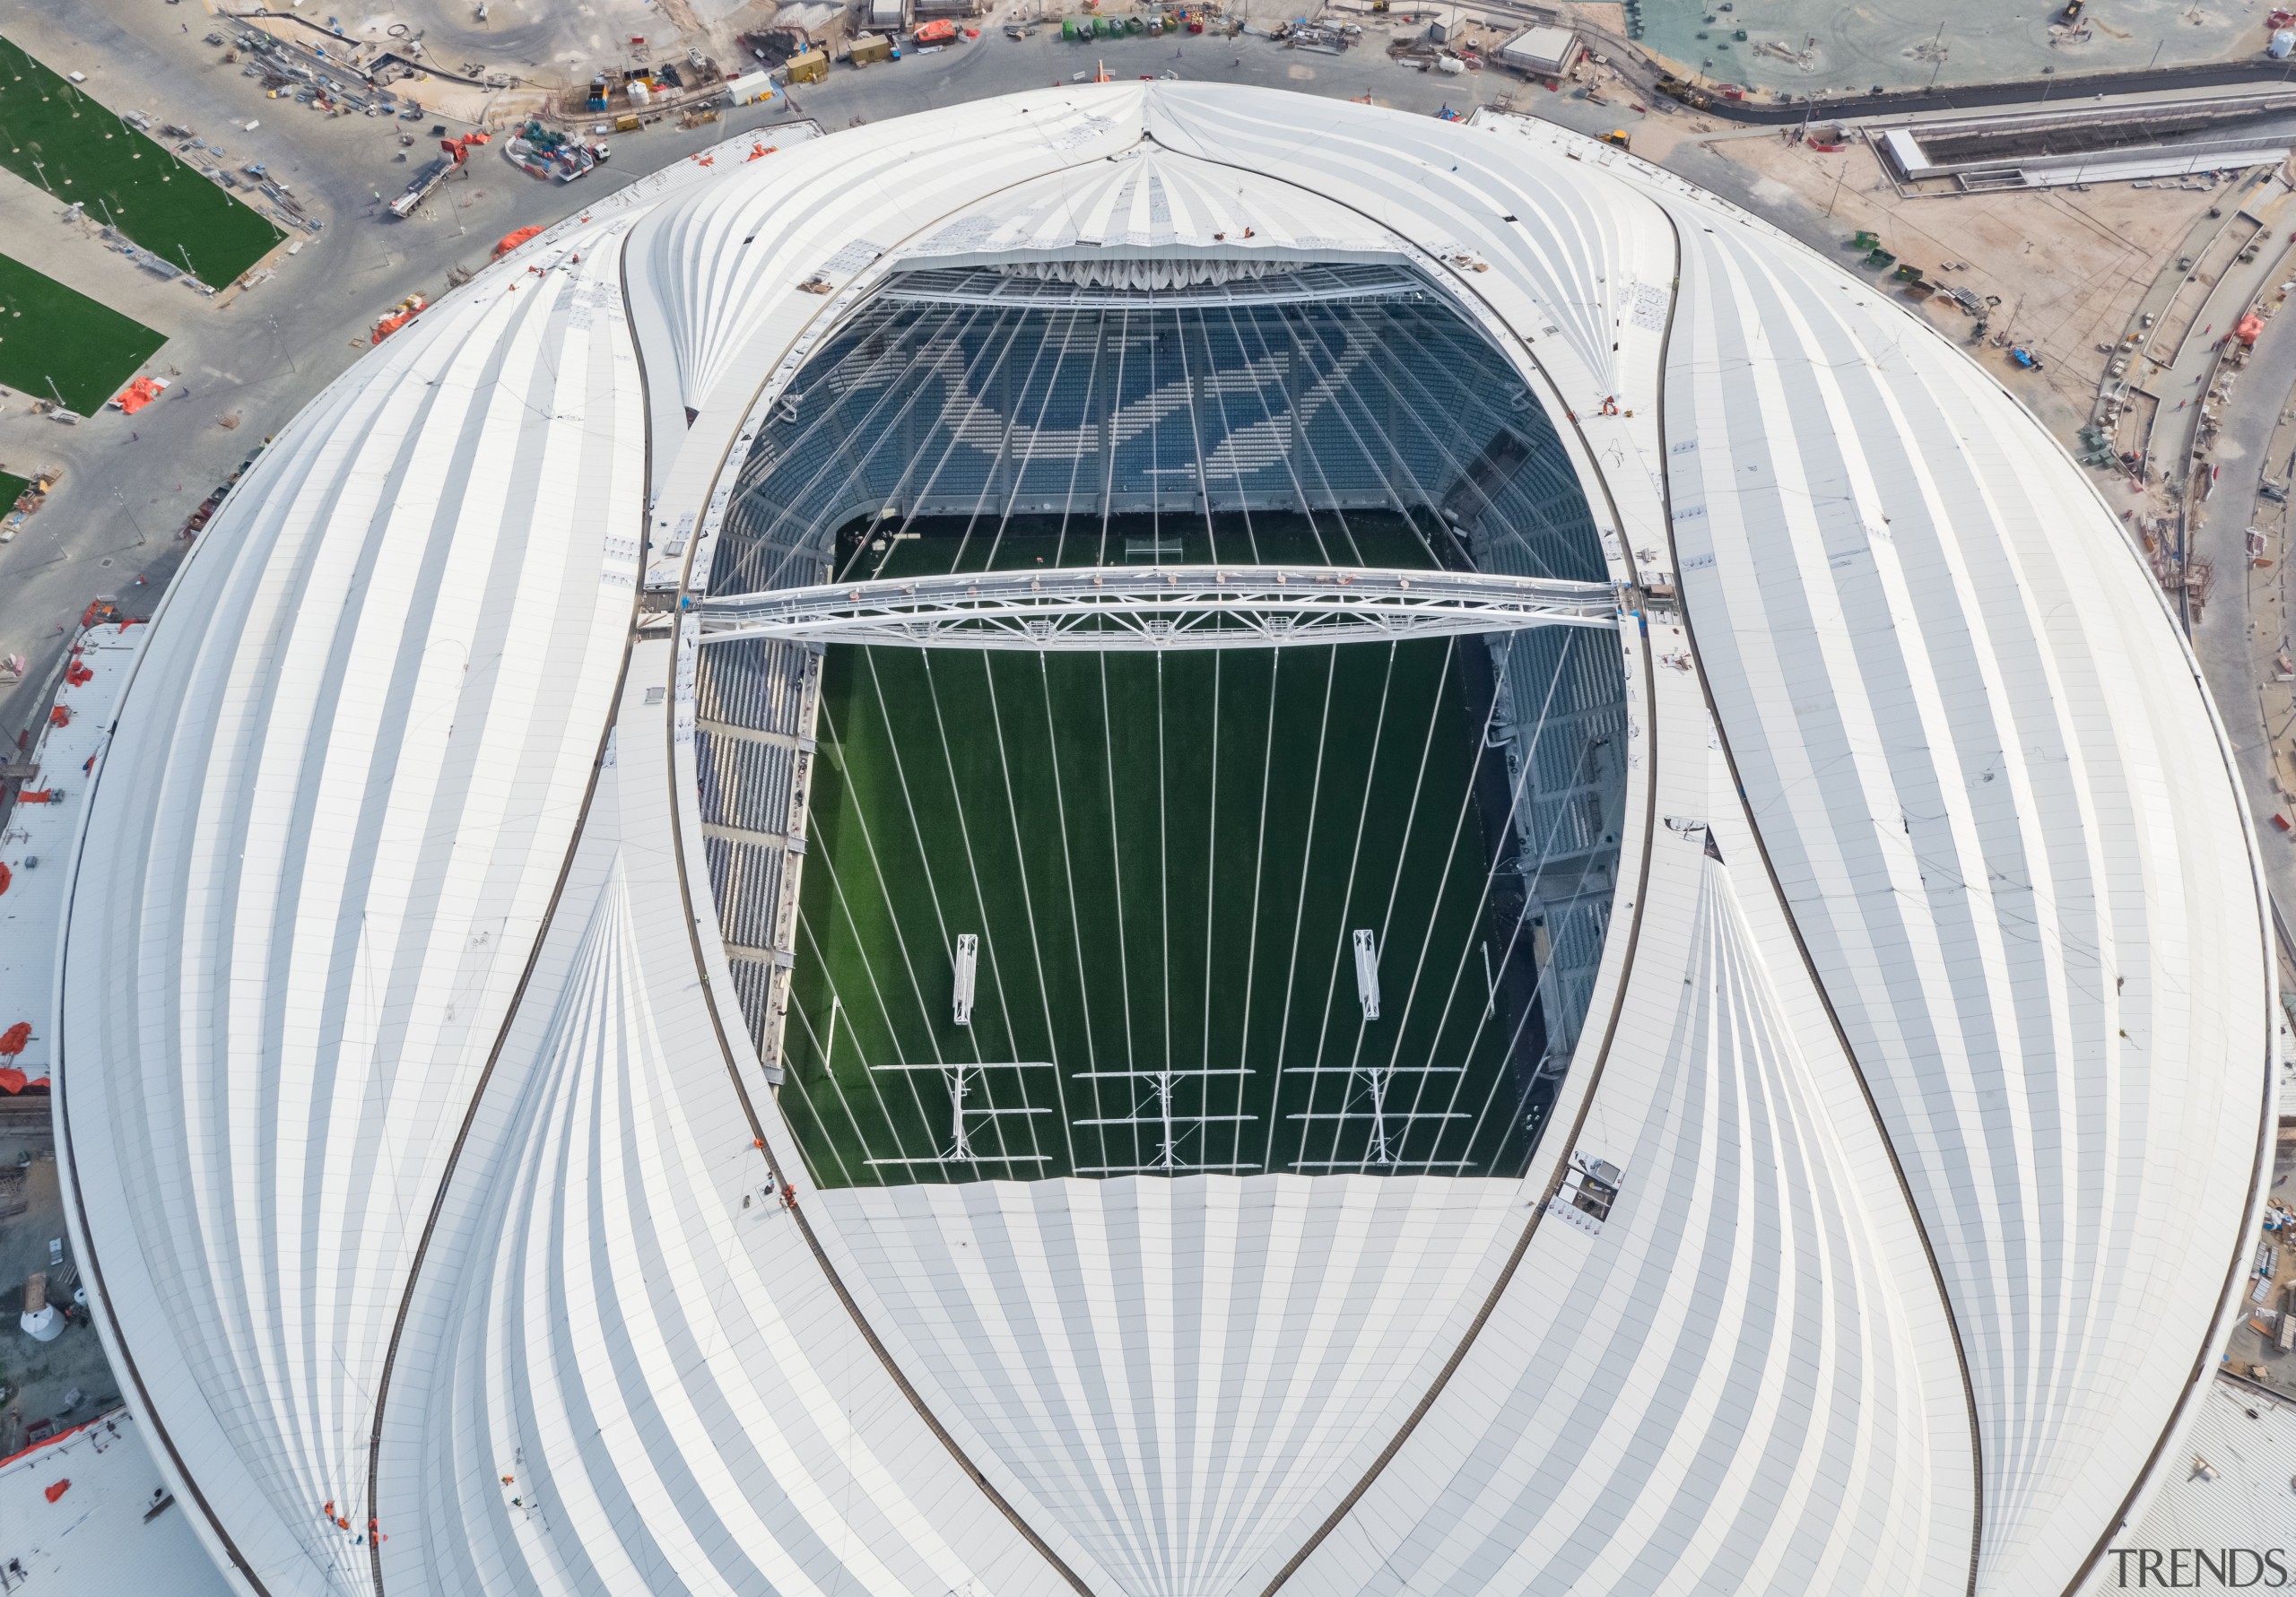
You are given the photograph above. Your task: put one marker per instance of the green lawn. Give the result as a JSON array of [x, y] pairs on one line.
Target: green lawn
[[54, 135], [51, 335], [1163, 857]]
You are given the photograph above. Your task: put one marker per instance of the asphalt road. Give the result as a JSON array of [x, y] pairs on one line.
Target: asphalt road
[[2021, 92], [2245, 624]]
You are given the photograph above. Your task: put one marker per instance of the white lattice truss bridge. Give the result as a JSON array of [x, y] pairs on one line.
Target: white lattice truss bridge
[[1161, 607]]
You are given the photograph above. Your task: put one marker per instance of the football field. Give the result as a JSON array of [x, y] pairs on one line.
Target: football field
[[1164, 859]]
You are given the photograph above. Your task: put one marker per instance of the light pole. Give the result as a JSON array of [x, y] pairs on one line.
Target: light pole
[[123, 510]]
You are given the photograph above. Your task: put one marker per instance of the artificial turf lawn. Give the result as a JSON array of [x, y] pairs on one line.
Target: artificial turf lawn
[[54, 135], [50, 334], [1163, 857]]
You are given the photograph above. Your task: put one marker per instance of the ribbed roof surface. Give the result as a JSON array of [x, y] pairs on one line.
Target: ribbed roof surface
[[350, 767], [1145, 201], [1990, 830], [425, 1166]]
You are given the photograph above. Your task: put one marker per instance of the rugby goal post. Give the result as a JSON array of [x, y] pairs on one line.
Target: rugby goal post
[[967, 964], [1367, 974]]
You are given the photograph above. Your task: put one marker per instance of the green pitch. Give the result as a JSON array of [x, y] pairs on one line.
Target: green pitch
[[56, 342], [1163, 858], [53, 135]]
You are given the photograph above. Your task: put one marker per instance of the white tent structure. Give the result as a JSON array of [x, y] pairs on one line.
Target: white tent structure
[[426, 1166]]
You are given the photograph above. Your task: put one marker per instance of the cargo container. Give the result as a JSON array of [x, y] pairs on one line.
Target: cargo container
[[751, 87]]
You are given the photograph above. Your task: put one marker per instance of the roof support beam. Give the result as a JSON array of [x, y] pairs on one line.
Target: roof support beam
[[1163, 607]]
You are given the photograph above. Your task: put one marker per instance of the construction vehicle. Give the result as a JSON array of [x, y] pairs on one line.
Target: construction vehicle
[[1674, 87], [434, 172], [418, 189]]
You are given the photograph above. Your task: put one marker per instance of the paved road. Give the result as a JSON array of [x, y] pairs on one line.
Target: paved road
[[2021, 91], [2244, 627], [2180, 385]]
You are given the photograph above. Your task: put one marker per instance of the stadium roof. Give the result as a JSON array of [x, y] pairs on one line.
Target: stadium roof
[[429, 1177]]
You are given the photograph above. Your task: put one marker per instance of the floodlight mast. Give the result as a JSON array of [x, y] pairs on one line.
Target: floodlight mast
[[1160, 608]]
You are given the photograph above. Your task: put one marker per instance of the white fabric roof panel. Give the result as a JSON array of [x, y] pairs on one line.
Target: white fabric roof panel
[[628, 1323], [1936, 1056], [2009, 833], [352, 760], [1144, 201], [1194, 1362]]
